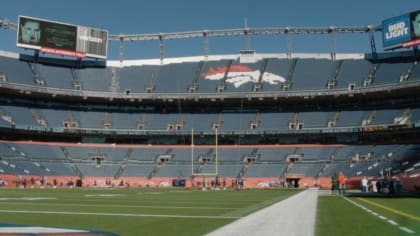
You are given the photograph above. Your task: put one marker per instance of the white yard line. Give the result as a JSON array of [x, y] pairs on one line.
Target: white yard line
[[380, 216], [116, 214], [38, 230], [123, 206]]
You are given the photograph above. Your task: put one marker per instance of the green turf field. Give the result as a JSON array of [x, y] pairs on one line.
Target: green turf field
[[175, 211], [368, 216], [133, 211]]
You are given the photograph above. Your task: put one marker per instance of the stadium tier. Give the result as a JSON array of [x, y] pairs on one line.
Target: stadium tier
[[60, 120], [271, 73], [181, 162]]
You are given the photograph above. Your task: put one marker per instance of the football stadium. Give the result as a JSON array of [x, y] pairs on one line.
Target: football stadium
[[247, 143]]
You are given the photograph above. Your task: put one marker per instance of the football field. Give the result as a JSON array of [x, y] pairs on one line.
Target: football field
[[174, 211], [133, 211]]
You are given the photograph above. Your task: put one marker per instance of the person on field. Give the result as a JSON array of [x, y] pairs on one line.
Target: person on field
[[364, 184], [334, 184], [341, 183]]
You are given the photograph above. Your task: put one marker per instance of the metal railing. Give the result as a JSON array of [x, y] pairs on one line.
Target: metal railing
[[28, 89], [165, 132]]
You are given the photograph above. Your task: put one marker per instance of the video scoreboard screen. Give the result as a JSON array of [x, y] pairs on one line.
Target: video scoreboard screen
[[61, 39], [401, 31]]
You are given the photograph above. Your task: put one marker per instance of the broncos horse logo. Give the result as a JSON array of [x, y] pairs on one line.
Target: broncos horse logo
[[239, 75]]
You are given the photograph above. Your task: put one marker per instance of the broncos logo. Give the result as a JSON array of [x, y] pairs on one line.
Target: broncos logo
[[239, 75]]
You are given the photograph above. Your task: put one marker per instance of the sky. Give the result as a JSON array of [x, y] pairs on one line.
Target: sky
[[140, 17]]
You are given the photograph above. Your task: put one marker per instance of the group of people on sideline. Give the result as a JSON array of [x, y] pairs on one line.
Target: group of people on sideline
[[385, 185]]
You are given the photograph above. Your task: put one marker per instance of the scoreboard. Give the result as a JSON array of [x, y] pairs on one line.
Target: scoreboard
[[61, 39], [401, 31]]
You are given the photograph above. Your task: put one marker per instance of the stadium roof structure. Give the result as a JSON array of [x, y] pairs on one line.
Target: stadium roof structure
[[6, 24], [246, 31]]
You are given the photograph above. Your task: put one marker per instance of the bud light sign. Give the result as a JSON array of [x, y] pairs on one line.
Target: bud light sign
[[396, 31]]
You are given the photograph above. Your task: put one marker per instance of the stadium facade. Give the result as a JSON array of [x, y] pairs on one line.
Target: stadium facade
[[269, 120]]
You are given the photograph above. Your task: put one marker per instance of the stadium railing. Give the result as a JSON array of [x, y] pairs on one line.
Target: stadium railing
[[28, 89]]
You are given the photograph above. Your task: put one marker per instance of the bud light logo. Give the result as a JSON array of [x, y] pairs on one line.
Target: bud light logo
[[396, 31]]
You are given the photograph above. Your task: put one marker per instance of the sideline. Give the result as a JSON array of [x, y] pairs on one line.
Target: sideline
[[294, 216]]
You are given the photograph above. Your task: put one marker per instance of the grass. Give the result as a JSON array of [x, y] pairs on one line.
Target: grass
[[337, 216], [191, 212], [405, 211], [133, 211]]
